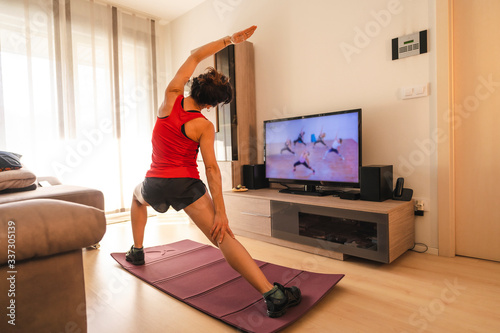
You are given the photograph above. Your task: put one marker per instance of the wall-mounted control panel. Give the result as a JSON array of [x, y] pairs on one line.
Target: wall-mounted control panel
[[409, 45]]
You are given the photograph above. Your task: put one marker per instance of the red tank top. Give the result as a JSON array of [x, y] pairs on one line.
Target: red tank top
[[174, 154]]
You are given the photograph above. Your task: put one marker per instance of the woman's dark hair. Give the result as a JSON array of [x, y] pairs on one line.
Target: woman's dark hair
[[211, 88]]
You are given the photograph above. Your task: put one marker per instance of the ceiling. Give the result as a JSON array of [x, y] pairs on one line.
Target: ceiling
[[167, 10]]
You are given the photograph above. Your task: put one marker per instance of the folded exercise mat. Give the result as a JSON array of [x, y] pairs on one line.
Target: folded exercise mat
[[198, 275]]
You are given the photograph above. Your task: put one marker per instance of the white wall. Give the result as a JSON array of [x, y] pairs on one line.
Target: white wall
[[327, 55]]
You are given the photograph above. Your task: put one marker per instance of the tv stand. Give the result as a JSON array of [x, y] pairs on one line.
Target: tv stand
[[327, 226]]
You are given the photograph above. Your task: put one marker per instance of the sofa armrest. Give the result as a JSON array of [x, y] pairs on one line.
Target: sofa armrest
[[43, 227], [50, 179]]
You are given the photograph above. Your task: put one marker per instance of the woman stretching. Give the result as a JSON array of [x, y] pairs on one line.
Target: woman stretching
[[335, 148], [304, 160], [173, 179]]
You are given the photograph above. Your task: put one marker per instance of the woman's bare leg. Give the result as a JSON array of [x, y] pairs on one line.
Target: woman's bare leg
[[202, 213], [138, 216]]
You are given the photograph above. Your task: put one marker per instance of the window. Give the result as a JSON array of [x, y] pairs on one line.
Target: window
[[77, 92]]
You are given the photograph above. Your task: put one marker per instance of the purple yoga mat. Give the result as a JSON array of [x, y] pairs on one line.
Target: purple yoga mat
[[198, 275]]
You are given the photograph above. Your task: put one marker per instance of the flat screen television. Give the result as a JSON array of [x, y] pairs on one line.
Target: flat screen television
[[317, 151]]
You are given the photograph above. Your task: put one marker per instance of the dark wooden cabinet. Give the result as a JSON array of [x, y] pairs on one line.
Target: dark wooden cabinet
[[235, 140]]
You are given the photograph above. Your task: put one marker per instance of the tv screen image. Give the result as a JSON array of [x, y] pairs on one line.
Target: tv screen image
[[322, 149]]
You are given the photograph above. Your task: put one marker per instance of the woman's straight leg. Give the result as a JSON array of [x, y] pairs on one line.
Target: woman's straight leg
[[202, 213]]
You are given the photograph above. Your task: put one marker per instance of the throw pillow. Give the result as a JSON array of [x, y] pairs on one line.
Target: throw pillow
[[16, 179], [22, 189], [9, 161]]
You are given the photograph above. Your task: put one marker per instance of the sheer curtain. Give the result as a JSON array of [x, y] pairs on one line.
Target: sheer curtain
[[137, 97], [28, 108], [77, 92]]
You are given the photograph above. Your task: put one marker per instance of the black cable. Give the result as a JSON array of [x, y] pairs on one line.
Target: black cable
[[420, 244]]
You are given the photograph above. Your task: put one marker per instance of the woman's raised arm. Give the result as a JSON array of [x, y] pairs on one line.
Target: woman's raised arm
[[187, 69]]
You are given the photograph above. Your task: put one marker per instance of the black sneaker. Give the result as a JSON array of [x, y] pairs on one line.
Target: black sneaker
[[135, 256], [277, 307]]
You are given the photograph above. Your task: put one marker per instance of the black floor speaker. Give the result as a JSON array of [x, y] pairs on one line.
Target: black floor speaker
[[376, 183], [254, 176]]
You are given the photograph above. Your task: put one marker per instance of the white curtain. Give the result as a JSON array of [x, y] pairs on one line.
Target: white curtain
[[77, 92], [137, 98]]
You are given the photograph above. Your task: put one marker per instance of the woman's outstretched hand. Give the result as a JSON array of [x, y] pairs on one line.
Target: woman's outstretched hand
[[241, 36]]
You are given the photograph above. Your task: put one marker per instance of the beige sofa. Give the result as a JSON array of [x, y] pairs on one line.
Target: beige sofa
[[42, 283]]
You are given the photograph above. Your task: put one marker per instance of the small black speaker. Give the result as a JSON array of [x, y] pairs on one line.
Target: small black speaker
[[254, 176], [376, 183]]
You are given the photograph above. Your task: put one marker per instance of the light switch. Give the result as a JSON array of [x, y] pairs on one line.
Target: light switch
[[421, 90]]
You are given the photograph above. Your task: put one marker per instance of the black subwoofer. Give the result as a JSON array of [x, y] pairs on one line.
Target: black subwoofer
[[254, 176], [376, 183]]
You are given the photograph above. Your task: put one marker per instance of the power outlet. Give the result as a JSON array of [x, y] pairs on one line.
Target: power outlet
[[423, 202], [421, 206]]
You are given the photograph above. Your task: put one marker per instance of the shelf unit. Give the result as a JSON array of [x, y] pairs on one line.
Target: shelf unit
[[235, 122]]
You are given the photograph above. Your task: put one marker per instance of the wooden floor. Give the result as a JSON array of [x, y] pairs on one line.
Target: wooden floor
[[416, 293]]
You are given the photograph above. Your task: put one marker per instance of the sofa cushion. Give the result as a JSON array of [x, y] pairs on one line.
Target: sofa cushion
[[44, 227], [9, 161], [78, 194], [16, 179]]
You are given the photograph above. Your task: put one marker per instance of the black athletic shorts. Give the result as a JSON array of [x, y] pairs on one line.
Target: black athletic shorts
[[161, 193]]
